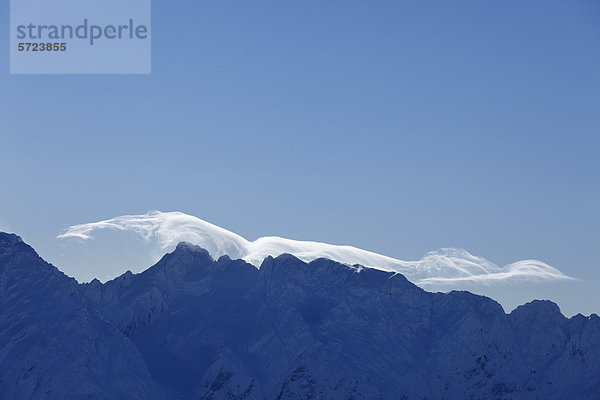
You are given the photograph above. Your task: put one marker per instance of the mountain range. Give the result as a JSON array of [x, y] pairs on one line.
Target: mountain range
[[195, 327]]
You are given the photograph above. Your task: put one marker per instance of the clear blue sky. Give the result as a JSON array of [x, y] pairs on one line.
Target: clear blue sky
[[398, 127]]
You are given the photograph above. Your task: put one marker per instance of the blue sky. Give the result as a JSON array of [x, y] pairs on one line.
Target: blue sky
[[398, 127]]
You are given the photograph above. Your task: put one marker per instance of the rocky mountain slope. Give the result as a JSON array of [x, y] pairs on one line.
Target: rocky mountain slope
[[194, 328]]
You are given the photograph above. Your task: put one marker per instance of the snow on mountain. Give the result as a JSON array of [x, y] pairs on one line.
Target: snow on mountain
[[445, 266]]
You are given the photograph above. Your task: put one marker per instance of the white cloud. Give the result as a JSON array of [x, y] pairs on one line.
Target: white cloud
[[169, 228], [443, 267]]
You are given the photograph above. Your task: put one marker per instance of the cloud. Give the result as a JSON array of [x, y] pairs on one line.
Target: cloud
[[525, 269], [169, 228], [448, 266]]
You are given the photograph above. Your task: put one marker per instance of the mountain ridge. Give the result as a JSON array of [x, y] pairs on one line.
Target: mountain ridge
[[194, 327]]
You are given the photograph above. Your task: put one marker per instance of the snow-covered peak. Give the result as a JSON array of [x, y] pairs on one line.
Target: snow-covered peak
[[438, 267]]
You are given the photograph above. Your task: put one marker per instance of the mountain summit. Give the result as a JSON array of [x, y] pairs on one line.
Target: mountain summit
[[194, 327]]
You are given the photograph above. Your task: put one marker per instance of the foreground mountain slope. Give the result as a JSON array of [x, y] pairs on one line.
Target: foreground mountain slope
[[205, 329], [52, 345]]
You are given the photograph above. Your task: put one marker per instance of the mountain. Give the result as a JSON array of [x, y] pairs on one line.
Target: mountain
[[191, 327], [53, 345]]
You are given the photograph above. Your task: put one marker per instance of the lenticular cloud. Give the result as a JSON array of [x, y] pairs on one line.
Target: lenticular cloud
[[441, 267]]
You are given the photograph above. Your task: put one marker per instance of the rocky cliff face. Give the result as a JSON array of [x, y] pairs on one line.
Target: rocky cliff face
[[192, 327], [53, 345]]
